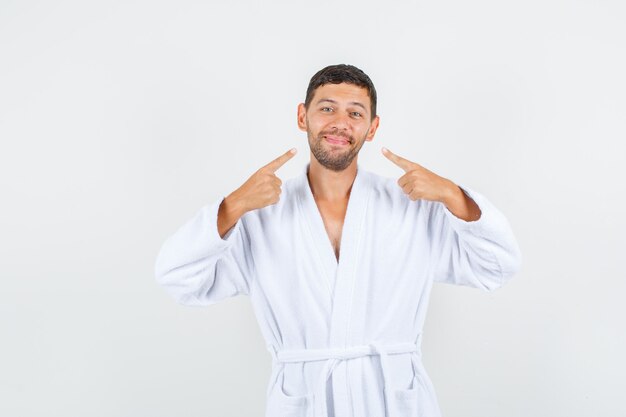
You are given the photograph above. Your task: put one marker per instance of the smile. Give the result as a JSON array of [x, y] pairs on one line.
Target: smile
[[336, 140]]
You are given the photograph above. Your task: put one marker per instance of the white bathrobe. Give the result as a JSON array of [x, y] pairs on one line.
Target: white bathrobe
[[344, 336]]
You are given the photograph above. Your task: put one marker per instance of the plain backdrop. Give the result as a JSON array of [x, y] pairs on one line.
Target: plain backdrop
[[120, 119]]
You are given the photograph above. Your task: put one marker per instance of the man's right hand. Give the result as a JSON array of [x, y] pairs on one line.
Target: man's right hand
[[260, 190]]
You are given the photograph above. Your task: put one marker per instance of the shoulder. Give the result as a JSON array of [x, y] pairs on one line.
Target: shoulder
[[387, 194], [380, 185], [291, 192], [383, 188]]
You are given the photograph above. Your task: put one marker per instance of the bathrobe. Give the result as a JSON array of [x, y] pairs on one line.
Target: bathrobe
[[344, 335]]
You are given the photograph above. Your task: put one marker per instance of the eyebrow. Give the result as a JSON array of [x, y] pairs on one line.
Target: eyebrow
[[356, 103]]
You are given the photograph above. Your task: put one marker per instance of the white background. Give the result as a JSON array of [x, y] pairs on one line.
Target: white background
[[119, 120]]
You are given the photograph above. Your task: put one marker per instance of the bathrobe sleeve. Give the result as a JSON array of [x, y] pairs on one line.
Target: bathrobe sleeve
[[482, 254], [197, 267]]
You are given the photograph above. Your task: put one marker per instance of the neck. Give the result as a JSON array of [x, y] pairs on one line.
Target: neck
[[329, 185]]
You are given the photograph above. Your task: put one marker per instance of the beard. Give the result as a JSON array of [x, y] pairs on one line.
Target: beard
[[334, 158]]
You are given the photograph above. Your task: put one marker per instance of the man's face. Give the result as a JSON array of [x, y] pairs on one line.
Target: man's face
[[338, 122]]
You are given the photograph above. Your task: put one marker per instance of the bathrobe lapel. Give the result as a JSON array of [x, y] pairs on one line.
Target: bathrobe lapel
[[339, 276]]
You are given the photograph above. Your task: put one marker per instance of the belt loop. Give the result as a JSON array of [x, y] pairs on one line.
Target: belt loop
[[273, 352], [418, 343]]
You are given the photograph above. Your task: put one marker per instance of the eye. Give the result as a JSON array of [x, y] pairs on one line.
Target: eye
[[326, 108], [356, 113]]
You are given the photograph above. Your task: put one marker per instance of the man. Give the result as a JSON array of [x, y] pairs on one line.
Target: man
[[339, 262]]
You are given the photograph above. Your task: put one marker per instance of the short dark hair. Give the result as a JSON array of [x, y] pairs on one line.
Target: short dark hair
[[341, 73]]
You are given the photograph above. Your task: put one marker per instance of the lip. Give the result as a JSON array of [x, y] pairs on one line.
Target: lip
[[336, 140]]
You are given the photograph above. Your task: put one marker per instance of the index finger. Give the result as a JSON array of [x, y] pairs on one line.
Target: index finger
[[279, 162], [403, 163]]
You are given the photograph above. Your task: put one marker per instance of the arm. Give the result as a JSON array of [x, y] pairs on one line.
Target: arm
[[208, 258], [229, 213], [460, 204], [482, 253]]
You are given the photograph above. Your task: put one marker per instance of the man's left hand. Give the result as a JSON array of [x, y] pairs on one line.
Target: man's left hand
[[418, 182]]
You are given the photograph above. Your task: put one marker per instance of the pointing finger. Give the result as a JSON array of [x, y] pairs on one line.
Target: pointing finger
[[405, 164], [278, 162]]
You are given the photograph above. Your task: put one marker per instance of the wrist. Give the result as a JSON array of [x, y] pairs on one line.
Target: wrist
[[233, 206], [452, 193]]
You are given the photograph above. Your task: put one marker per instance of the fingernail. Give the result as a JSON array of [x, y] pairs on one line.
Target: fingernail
[[293, 150]]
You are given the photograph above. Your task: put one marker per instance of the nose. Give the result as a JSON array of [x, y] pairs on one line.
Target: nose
[[341, 121]]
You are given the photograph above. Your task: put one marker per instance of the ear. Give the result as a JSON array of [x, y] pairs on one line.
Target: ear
[[302, 117], [372, 130]]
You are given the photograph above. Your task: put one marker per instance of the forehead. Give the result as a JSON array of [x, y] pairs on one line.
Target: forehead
[[342, 93]]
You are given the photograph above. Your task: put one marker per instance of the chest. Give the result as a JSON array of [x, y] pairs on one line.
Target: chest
[[333, 216]]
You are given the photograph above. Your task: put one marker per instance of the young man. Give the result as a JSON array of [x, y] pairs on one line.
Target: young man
[[339, 263]]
